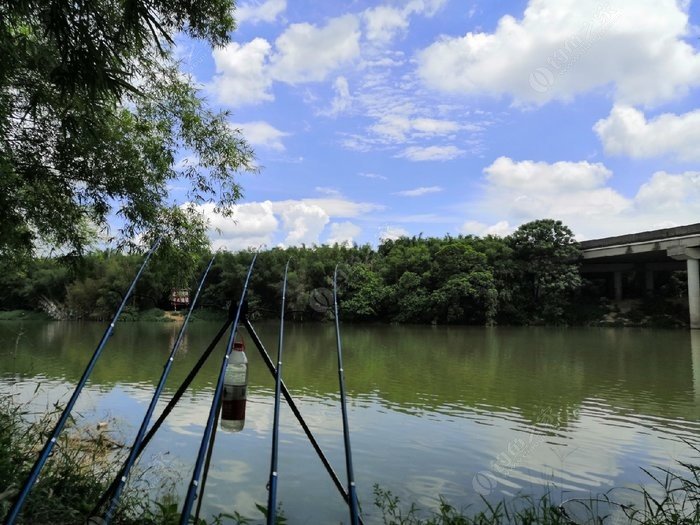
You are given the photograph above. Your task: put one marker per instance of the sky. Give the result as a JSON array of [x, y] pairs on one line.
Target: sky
[[373, 120]]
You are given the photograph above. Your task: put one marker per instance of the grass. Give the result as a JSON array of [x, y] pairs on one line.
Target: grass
[[670, 498], [83, 463], [23, 315]]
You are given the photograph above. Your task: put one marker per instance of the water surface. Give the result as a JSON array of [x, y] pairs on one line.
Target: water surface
[[452, 411]]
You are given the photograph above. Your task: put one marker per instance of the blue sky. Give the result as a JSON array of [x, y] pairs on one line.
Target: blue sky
[[377, 119]]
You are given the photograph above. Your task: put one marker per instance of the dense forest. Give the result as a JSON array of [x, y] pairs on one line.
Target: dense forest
[[528, 277]]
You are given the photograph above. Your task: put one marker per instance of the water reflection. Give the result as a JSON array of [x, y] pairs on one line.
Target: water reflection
[[430, 407]]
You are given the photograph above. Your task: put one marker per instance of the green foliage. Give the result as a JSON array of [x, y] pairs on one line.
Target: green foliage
[[546, 270], [530, 277], [94, 111]]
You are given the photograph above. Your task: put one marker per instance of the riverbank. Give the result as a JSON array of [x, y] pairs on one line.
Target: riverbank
[[640, 313], [152, 315]]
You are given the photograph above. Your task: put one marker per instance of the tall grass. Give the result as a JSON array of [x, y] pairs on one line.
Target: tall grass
[[81, 467], [668, 498]]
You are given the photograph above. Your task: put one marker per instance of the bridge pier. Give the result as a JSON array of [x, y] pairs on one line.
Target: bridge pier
[[690, 255], [694, 292], [617, 276], [649, 282]]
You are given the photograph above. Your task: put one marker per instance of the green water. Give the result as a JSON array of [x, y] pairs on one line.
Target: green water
[[456, 411]]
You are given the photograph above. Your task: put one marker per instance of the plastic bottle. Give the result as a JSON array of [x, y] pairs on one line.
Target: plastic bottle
[[235, 390]]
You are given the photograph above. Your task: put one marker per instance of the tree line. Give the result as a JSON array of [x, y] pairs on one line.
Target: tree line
[[530, 276]]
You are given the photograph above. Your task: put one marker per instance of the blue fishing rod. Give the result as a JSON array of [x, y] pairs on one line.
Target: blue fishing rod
[[11, 517], [194, 483], [352, 492], [272, 494], [135, 448]]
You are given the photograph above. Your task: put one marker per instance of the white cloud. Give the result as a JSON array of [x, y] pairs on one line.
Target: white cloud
[[327, 191], [391, 233], [337, 206], [397, 127], [383, 22], [626, 131], [419, 153], [304, 223], [372, 176], [241, 73], [301, 221], [540, 176], [306, 53], [664, 192], [302, 53], [342, 100], [417, 192], [343, 233], [579, 194], [260, 133], [252, 225], [560, 48], [266, 11], [500, 229]]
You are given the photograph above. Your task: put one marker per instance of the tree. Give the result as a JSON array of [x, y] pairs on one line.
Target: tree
[[94, 112], [546, 269]]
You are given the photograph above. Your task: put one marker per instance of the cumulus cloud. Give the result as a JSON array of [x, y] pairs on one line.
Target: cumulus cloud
[[306, 53], [664, 192], [339, 207], [626, 131], [427, 153], [302, 53], [579, 194], [303, 222], [391, 233], [560, 48], [241, 73], [384, 22], [500, 229], [251, 225], [343, 233], [418, 192], [294, 222], [260, 133], [533, 176], [255, 12]]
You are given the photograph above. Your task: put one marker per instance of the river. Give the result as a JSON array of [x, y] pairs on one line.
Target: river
[[461, 412]]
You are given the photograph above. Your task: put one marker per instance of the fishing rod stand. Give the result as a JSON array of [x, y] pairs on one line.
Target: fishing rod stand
[[273, 370], [295, 410]]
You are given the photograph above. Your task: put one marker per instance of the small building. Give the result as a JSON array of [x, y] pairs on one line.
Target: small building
[[179, 297]]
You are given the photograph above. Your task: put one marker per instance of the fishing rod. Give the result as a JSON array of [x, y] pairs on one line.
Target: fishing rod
[[354, 516], [171, 404], [129, 463], [272, 490], [16, 508], [192, 490], [295, 410], [207, 463]]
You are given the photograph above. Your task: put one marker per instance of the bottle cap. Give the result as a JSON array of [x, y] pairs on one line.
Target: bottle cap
[[239, 346]]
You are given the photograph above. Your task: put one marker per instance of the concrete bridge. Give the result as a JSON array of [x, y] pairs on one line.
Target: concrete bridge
[[651, 254]]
